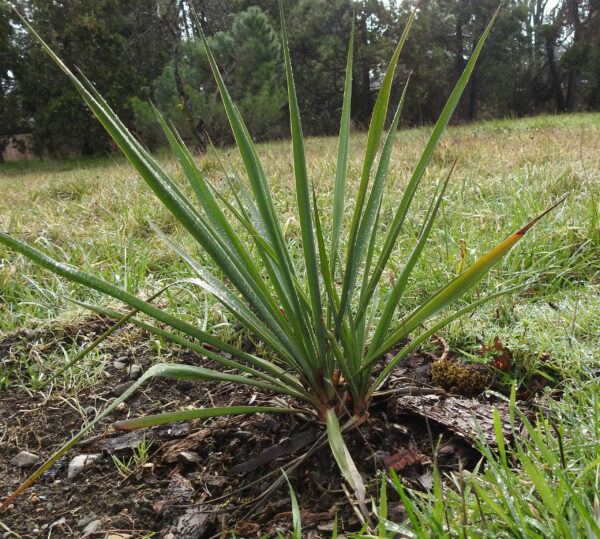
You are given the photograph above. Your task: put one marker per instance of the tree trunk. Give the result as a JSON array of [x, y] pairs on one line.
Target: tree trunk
[[361, 84], [473, 92], [572, 87], [559, 100], [195, 122], [571, 100]]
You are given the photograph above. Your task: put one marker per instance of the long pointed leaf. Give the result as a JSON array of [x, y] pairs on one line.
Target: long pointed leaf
[[399, 286], [303, 197], [280, 343], [172, 197], [79, 356], [281, 381], [367, 231], [439, 128], [95, 283], [226, 233], [198, 413], [164, 188], [260, 188], [343, 458], [373, 139], [339, 191], [458, 286], [157, 370], [413, 344]]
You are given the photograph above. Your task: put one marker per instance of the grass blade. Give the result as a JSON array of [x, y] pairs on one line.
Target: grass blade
[[410, 507], [500, 438], [382, 513], [296, 521]]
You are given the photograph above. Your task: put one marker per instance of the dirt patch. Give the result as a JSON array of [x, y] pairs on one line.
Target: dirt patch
[[18, 148], [206, 478]]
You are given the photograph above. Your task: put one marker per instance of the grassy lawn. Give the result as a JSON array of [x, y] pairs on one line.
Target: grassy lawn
[[93, 214]]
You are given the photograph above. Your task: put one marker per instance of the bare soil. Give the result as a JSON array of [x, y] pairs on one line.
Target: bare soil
[[208, 478]]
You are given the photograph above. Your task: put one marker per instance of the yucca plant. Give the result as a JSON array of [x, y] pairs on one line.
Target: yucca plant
[[317, 315]]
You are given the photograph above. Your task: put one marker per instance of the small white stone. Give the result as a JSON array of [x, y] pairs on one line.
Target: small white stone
[[135, 371], [190, 457], [120, 407], [80, 462], [25, 460], [92, 526]]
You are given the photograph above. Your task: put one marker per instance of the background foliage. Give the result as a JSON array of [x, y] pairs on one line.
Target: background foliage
[[254, 76], [542, 56]]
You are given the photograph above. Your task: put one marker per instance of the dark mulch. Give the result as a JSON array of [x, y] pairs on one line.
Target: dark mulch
[[205, 478]]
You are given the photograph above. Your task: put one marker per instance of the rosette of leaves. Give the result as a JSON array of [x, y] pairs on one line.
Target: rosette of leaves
[[326, 337]]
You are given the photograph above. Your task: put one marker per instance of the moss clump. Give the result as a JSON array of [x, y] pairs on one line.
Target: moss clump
[[463, 378]]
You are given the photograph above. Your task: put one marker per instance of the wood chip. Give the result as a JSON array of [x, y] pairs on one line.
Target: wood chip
[[459, 415]]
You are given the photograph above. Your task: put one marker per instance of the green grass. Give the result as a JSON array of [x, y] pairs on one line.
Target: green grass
[[507, 172], [93, 214], [543, 484]]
